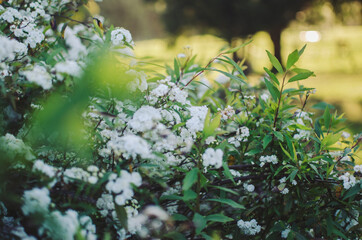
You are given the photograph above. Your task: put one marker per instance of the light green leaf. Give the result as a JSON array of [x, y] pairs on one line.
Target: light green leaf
[[189, 195], [292, 58], [275, 62], [327, 117], [235, 49], [238, 68], [226, 190], [300, 76], [301, 51]]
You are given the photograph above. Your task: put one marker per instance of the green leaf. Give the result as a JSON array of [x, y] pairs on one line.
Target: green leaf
[[176, 68], [300, 76], [200, 222], [238, 68], [266, 140], [327, 117], [353, 191], [272, 89], [189, 195], [190, 179], [301, 51], [174, 236], [228, 202], [272, 76], [331, 139], [226, 190], [179, 217], [275, 62], [292, 59], [227, 172], [226, 74], [121, 215], [206, 237], [293, 174], [232, 50], [219, 218], [279, 135]]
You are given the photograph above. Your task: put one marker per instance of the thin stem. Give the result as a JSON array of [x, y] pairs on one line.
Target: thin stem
[[199, 73], [279, 101]]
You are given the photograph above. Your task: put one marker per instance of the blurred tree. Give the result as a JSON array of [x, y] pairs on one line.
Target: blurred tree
[[234, 19]]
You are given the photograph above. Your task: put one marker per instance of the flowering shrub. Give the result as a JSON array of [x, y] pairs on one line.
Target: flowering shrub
[[97, 144]]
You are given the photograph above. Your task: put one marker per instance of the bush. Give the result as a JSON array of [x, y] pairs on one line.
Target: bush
[[98, 144]]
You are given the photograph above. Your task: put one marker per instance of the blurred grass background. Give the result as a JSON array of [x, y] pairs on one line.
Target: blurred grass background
[[336, 57]]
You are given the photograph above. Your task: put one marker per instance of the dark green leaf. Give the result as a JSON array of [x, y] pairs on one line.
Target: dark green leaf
[[272, 89], [121, 215], [174, 236], [327, 117], [301, 51], [200, 222], [190, 178], [272, 76], [219, 218], [189, 195], [266, 140], [179, 217], [228, 202], [226, 190]]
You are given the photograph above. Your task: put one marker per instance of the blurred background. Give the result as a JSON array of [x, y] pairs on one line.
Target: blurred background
[[332, 30]]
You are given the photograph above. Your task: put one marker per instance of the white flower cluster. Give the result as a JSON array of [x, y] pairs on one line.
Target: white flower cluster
[[348, 180], [36, 200], [120, 36], [145, 118], [105, 204], [358, 168], [268, 159], [121, 186], [212, 157], [249, 227], [249, 187], [285, 232], [128, 146], [197, 120], [227, 113], [75, 173], [40, 166], [137, 80], [15, 147], [39, 75], [242, 135], [166, 88], [11, 49], [61, 227]]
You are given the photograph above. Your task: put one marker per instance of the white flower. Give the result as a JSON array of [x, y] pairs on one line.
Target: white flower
[[268, 159], [358, 168], [11, 48], [197, 120], [285, 232], [145, 119], [62, 227], [249, 187], [212, 157], [285, 191], [348, 180], [227, 113], [242, 135], [74, 173], [345, 134], [40, 166], [40, 76], [138, 80], [119, 36], [249, 227], [36, 200], [69, 67]]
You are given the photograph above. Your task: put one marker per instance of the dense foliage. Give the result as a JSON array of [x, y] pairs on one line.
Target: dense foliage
[[99, 144]]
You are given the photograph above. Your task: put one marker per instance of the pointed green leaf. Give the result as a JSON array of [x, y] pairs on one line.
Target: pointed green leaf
[[301, 51], [300, 76], [228, 202], [272, 76], [272, 89], [179, 217], [266, 140], [190, 179], [219, 218], [189, 195], [327, 117], [232, 50], [121, 215], [275, 62], [238, 68], [292, 59], [200, 222]]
